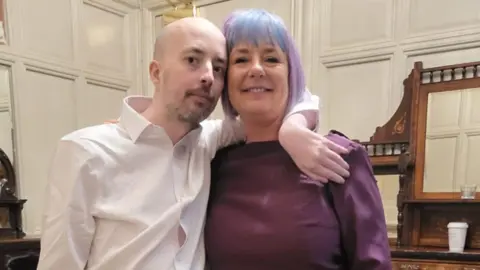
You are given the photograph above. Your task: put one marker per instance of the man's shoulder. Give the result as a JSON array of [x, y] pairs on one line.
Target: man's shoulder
[[100, 135], [91, 132]]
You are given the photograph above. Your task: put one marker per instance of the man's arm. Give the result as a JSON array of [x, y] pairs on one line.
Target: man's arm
[[221, 133], [305, 114], [317, 157], [314, 155], [362, 219], [68, 226]]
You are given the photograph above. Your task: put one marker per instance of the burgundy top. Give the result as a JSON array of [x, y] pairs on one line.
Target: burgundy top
[[263, 216]]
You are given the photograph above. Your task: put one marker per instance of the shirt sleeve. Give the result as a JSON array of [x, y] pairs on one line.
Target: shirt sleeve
[[362, 219], [68, 226], [307, 102], [222, 133]]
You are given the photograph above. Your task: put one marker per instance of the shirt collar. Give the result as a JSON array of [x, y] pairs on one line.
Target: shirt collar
[[131, 118], [135, 124]]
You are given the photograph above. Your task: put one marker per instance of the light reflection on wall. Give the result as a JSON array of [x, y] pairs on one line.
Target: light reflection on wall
[[100, 35], [189, 10]]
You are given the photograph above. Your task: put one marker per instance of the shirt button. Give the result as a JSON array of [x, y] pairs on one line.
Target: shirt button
[[180, 150]]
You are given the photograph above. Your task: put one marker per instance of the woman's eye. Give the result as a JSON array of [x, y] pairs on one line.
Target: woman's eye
[[272, 59], [240, 60]]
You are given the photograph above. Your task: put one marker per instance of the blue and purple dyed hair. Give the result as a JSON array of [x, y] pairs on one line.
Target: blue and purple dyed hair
[[255, 26]]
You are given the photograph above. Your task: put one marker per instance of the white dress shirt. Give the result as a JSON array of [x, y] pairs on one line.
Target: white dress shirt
[[123, 197]]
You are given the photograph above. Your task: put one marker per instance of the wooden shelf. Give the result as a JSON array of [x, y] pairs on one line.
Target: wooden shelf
[[384, 160], [436, 254], [442, 201]]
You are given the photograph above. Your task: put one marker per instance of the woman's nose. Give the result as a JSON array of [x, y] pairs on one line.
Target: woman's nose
[[257, 70]]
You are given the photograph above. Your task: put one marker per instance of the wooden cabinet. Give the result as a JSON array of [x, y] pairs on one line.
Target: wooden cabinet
[[19, 254], [432, 265], [400, 147], [434, 259]]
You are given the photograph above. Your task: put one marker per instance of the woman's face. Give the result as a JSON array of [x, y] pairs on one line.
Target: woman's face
[[258, 80]]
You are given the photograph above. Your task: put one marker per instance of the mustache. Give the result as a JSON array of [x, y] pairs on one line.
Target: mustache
[[203, 92]]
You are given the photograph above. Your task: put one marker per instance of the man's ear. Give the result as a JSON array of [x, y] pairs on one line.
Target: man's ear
[[154, 70]]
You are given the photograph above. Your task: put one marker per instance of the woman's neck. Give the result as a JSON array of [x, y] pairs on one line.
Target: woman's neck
[[261, 130]]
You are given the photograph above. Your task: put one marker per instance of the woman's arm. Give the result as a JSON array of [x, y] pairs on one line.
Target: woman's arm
[[360, 210]]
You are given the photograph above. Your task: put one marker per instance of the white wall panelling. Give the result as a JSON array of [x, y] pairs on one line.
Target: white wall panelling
[[90, 53], [72, 63]]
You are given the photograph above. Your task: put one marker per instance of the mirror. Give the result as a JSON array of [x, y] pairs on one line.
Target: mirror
[[5, 218], [6, 123], [452, 141]]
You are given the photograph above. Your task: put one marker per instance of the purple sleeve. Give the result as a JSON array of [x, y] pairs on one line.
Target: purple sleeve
[[362, 219]]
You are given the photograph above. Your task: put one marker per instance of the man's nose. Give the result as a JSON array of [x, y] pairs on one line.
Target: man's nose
[[207, 76]]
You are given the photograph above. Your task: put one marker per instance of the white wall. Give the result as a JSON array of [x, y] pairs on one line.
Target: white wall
[[71, 63], [72, 67], [356, 53]]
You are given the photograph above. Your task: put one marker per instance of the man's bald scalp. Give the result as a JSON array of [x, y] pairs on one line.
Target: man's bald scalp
[[161, 42], [167, 33]]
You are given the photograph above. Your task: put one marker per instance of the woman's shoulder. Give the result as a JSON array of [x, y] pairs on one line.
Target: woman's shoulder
[[342, 140], [251, 151], [357, 157], [362, 181], [357, 152], [229, 149]]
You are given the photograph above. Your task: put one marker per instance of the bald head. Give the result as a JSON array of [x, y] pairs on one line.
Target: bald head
[[188, 69], [173, 33]]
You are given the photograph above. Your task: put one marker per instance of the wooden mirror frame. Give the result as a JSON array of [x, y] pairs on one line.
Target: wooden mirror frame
[[435, 80], [397, 131], [3, 38]]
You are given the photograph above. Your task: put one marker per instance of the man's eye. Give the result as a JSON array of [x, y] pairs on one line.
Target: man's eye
[[192, 60]]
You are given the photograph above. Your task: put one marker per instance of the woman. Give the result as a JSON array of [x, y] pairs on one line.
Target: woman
[[260, 216]]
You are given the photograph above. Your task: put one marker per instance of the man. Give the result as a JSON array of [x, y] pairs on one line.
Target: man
[[133, 195]]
